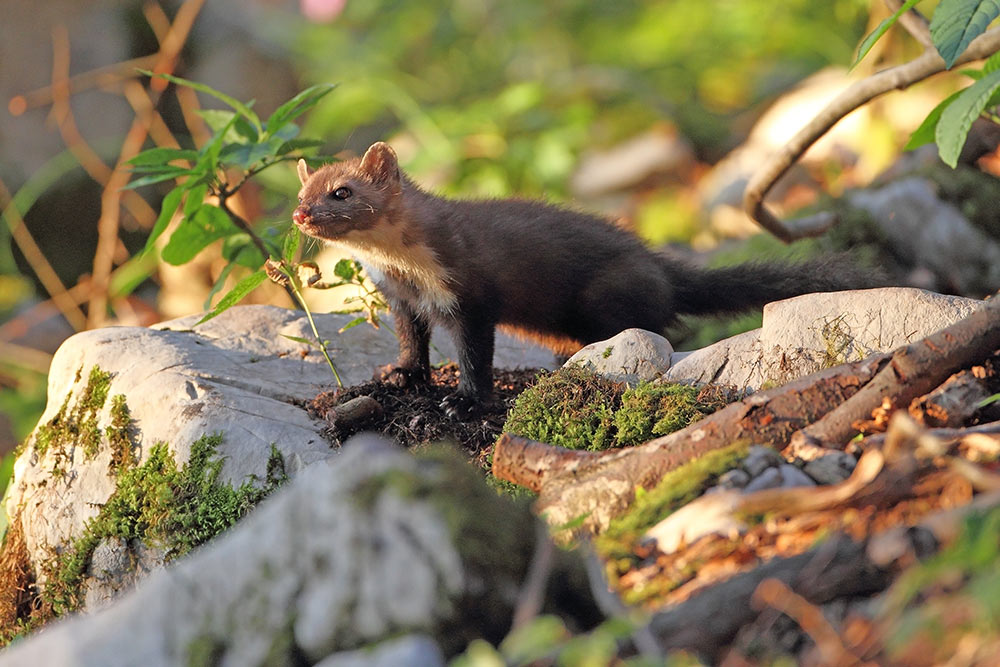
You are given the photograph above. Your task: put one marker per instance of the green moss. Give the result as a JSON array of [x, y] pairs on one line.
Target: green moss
[[607, 352], [119, 438], [206, 651], [172, 508], [673, 491], [578, 409], [651, 410], [572, 408], [76, 427]]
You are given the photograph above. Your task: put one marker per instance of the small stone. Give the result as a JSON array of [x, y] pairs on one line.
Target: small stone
[[831, 469], [761, 458], [632, 356], [355, 413], [770, 478], [413, 650], [734, 479], [792, 476]]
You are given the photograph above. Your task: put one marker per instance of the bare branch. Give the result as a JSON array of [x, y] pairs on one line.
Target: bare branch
[[899, 77]]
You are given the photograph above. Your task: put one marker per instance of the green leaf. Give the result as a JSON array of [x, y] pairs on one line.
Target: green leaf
[[209, 160], [167, 209], [300, 339], [235, 295], [296, 106], [925, 133], [353, 323], [243, 109], [240, 249], [195, 199], [992, 63], [219, 282], [345, 269], [290, 245], [956, 119], [208, 224], [161, 156], [957, 22], [298, 144], [869, 41], [245, 155], [131, 274], [216, 119], [166, 175]]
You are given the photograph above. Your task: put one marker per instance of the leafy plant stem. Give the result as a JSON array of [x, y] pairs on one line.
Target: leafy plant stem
[[296, 290], [224, 195]]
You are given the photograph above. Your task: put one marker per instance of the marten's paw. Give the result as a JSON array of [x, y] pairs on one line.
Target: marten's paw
[[401, 376], [459, 406]]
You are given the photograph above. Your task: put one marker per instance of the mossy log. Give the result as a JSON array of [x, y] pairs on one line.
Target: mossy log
[[598, 486]]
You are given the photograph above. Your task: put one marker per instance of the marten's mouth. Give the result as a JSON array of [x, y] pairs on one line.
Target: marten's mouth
[[318, 228]]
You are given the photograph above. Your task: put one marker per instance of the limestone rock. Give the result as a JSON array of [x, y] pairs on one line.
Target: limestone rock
[[237, 375], [372, 544], [632, 356], [412, 651], [807, 333], [927, 232]]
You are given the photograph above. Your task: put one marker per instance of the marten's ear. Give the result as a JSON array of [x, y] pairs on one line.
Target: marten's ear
[[304, 171], [380, 163]]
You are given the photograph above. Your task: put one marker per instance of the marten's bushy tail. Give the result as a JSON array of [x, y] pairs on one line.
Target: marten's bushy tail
[[700, 291]]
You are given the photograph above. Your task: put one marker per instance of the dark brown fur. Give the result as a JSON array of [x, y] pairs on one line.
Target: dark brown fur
[[564, 277]]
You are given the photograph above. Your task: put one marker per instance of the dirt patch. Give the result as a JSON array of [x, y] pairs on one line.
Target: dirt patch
[[413, 416]]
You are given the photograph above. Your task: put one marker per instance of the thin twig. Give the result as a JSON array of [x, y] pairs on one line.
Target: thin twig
[[914, 22], [101, 77], [36, 260], [899, 77], [224, 195]]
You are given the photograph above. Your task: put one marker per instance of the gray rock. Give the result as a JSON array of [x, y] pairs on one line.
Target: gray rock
[[804, 334], [759, 459], [830, 469], [734, 361], [237, 375], [334, 561], [928, 232], [632, 356], [769, 479], [792, 476], [412, 651], [733, 479]]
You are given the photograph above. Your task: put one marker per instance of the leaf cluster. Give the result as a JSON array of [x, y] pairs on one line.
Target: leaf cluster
[[953, 27], [242, 145]]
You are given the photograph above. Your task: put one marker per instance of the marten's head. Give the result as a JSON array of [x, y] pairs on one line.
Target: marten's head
[[351, 196]]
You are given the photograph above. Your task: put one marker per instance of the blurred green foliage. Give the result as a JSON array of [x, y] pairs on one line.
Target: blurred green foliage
[[502, 97]]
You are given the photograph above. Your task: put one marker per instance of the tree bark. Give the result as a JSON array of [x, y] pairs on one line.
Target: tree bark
[[914, 370], [953, 403]]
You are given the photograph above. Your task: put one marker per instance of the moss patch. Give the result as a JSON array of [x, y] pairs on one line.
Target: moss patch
[[578, 409], [171, 507], [78, 426], [676, 489]]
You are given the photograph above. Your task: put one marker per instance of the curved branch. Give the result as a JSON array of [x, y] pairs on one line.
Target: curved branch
[[899, 77]]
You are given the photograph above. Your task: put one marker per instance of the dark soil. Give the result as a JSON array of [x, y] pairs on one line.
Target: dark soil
[[412, 416]]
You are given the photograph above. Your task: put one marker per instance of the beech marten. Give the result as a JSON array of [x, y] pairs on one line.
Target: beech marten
[[563, 277]]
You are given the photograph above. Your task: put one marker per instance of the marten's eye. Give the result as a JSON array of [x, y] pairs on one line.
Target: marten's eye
[[341, 193]]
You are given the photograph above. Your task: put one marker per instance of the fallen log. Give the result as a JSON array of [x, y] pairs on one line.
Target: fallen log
[[912, 371], [841, 567], [953, 403], [596, 486]]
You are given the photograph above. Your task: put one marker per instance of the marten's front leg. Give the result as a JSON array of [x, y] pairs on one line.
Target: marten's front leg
[[414, 333], [473, 333]]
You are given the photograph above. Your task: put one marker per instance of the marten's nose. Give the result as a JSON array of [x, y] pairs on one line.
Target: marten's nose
[[300, 215]]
